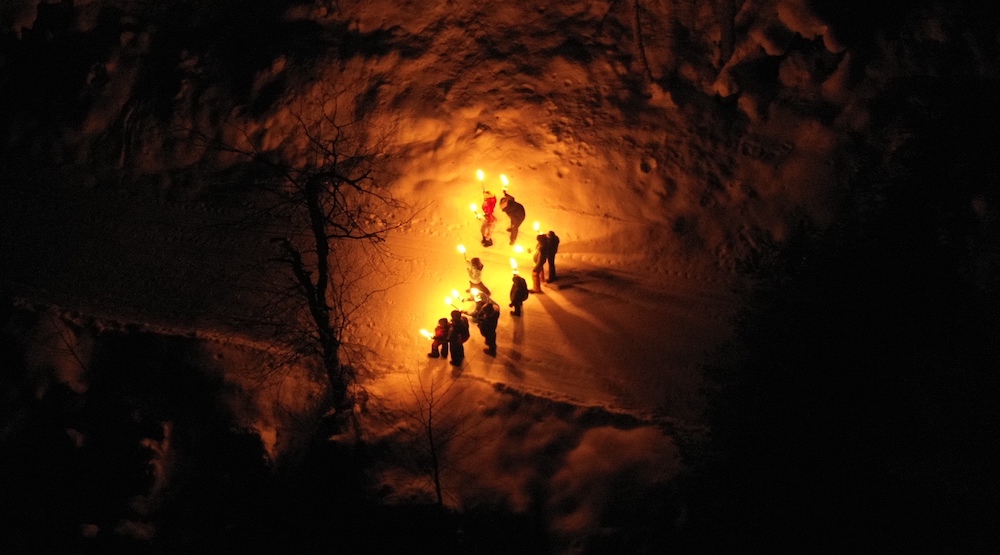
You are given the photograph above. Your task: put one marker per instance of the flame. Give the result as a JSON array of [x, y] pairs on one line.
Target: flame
[[473, 207], [474, 291], [447, 301], [518, 249], [480, 175], [503, 178], [427, 334], [537, 226], [454, 293], [461, 249], [513, 263]]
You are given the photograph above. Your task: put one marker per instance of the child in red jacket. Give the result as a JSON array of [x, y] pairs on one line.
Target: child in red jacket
[[440, 340]]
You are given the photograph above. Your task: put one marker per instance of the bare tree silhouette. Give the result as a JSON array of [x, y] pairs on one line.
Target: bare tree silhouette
[[324, 202], [444, 426]]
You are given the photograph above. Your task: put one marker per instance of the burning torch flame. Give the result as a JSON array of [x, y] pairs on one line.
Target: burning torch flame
[[480, 175], [461, 249], [427, 334], [454, 293], [473, 207], [513, 264], [503, 179], [518, 249], [537, 226]]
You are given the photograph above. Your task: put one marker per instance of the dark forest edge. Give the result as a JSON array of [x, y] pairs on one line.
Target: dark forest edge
[[854, 409]]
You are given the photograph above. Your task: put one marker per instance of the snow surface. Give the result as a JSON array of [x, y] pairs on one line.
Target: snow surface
[[656, 193]]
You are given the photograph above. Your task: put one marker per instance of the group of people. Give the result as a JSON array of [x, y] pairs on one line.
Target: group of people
[[545, 253], [509, 206], [451, 334]]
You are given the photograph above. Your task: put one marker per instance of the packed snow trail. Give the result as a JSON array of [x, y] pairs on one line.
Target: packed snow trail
[[595, 337]]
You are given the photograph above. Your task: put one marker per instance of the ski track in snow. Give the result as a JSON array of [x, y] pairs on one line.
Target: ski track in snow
[[595, 337]]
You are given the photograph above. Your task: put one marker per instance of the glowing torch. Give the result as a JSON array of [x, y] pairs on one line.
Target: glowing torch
[[447, 301], [427, 334], [513, 264], [503, 179], [454, 293], [481, 177], [518, 249], [461, 249], [475, 210], [537, 226]]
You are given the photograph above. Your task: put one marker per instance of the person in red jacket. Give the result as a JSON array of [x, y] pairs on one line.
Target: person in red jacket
[[489, 220], [439, 343]]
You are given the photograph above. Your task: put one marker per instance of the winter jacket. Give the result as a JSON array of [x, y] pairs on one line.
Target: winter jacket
[[489, 317], [460, 330], [475, 274], [519, 290], [512, 208], [488, 206]]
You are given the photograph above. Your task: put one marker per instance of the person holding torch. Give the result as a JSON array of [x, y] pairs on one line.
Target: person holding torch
[[541, 249], [474, 267], [515, 211], [518, 293], [489, 220], [439, 341]]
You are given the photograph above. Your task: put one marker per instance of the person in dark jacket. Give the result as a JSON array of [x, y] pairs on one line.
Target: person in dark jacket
[[551, 248], [457, 336], [488, 318], [518, 294], [515, 211]]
